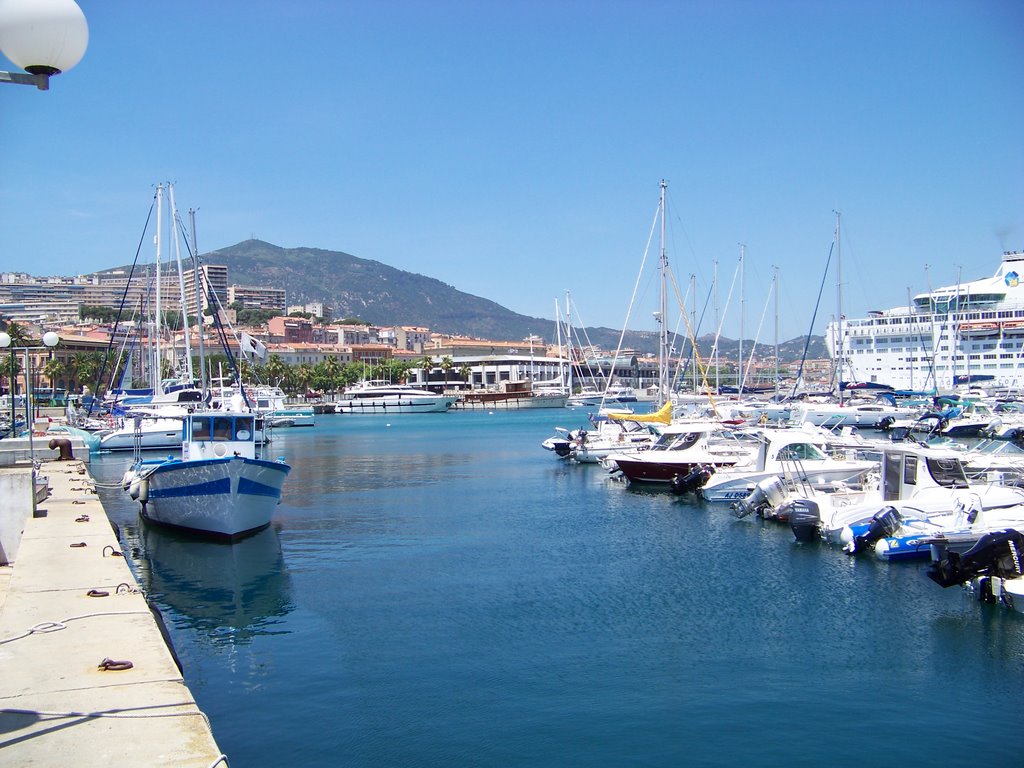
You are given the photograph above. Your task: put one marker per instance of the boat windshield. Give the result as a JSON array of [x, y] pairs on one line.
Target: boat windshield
[[676, 441], [947, 472], [801, 452]]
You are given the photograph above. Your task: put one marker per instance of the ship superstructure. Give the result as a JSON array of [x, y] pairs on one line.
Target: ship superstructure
[[966, 334]]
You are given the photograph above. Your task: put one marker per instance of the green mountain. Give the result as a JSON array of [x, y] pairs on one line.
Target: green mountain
[[381, 295]]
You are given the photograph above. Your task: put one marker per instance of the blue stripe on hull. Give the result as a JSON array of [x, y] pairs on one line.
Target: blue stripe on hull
[[212, 488]]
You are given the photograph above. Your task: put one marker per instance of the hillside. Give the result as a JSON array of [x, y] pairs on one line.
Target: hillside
[[382, 295]]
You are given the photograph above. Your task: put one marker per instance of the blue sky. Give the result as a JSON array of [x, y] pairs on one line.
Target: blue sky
[[514, 149]]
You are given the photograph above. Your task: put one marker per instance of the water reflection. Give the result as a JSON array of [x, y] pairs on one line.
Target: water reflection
[[232, 592]]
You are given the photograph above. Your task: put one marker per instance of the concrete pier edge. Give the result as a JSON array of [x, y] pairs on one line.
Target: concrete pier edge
[[70, 612]]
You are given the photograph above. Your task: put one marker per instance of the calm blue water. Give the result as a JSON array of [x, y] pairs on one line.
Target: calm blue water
[[437, 590]]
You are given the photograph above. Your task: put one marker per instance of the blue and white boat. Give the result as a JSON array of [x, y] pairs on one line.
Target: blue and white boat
[[218, 487]]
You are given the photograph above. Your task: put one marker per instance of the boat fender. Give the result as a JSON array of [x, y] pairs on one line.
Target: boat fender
[[139, 490]]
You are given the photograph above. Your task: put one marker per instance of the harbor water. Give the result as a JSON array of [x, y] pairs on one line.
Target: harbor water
[[438, 590]]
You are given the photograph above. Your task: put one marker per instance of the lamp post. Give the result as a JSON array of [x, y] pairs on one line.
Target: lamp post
[[50, 340], [43, 37]]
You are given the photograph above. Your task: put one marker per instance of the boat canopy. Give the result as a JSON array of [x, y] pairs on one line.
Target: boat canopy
[[661, 416]]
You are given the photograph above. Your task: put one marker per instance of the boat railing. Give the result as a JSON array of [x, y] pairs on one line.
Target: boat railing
[[795, 474]]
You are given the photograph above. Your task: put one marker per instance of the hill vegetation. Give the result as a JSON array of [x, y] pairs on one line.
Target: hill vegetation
[[381, 295]]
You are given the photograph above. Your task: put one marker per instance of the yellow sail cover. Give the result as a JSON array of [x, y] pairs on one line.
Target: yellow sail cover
[[661, 416]]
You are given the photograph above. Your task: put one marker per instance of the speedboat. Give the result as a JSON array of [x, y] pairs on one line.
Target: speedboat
[[218, 487], [382, 397], [791, 453], [613, 431], [918, 482]]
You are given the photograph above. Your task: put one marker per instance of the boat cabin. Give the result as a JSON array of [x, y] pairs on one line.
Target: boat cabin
[[216, 435], [908, 470]]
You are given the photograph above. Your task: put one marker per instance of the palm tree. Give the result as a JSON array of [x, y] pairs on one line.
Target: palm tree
[[465, 372], [331, 372], [303, 377], [19, 336], [54, 370], [351, 373], [86, 366], [447, 364], [426, 364], [276, 369]]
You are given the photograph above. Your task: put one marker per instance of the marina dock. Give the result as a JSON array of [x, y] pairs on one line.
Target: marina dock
[[88, 677]]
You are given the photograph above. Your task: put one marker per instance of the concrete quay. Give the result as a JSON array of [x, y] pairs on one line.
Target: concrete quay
[[88, 679]]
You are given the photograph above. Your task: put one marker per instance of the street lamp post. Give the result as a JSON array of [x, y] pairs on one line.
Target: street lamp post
[[43, 37], [50, 340]]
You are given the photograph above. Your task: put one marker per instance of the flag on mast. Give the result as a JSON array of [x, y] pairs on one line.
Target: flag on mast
[[252, 348]]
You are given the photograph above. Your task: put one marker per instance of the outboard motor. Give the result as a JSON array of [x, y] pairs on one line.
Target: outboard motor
[[885, 522], [805, 519], [692, 480], [767, 494], [998, 553]]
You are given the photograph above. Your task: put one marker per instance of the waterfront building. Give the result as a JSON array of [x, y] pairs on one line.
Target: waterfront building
[[257, 297], [302, 353], [211, 277], [290, 330]]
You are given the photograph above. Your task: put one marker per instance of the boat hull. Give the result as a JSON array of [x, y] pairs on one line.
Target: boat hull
[[226, 498], [396, 404], [158, 435], [639, 471]]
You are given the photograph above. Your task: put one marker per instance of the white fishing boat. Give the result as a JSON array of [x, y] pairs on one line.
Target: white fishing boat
[[218, 487], [383, 397]]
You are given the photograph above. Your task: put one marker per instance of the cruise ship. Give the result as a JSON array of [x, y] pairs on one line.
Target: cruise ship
[[971, 334]]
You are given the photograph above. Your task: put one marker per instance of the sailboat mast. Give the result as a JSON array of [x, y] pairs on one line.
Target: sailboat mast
[[181, 287], [693, 327], [568, 339], [155, 372], [839, 310], [199, 293], [743, 302], [776, 289], [718, 382], [663, 392]]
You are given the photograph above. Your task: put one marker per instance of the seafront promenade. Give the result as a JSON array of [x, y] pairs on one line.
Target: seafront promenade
[[88, 678]]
